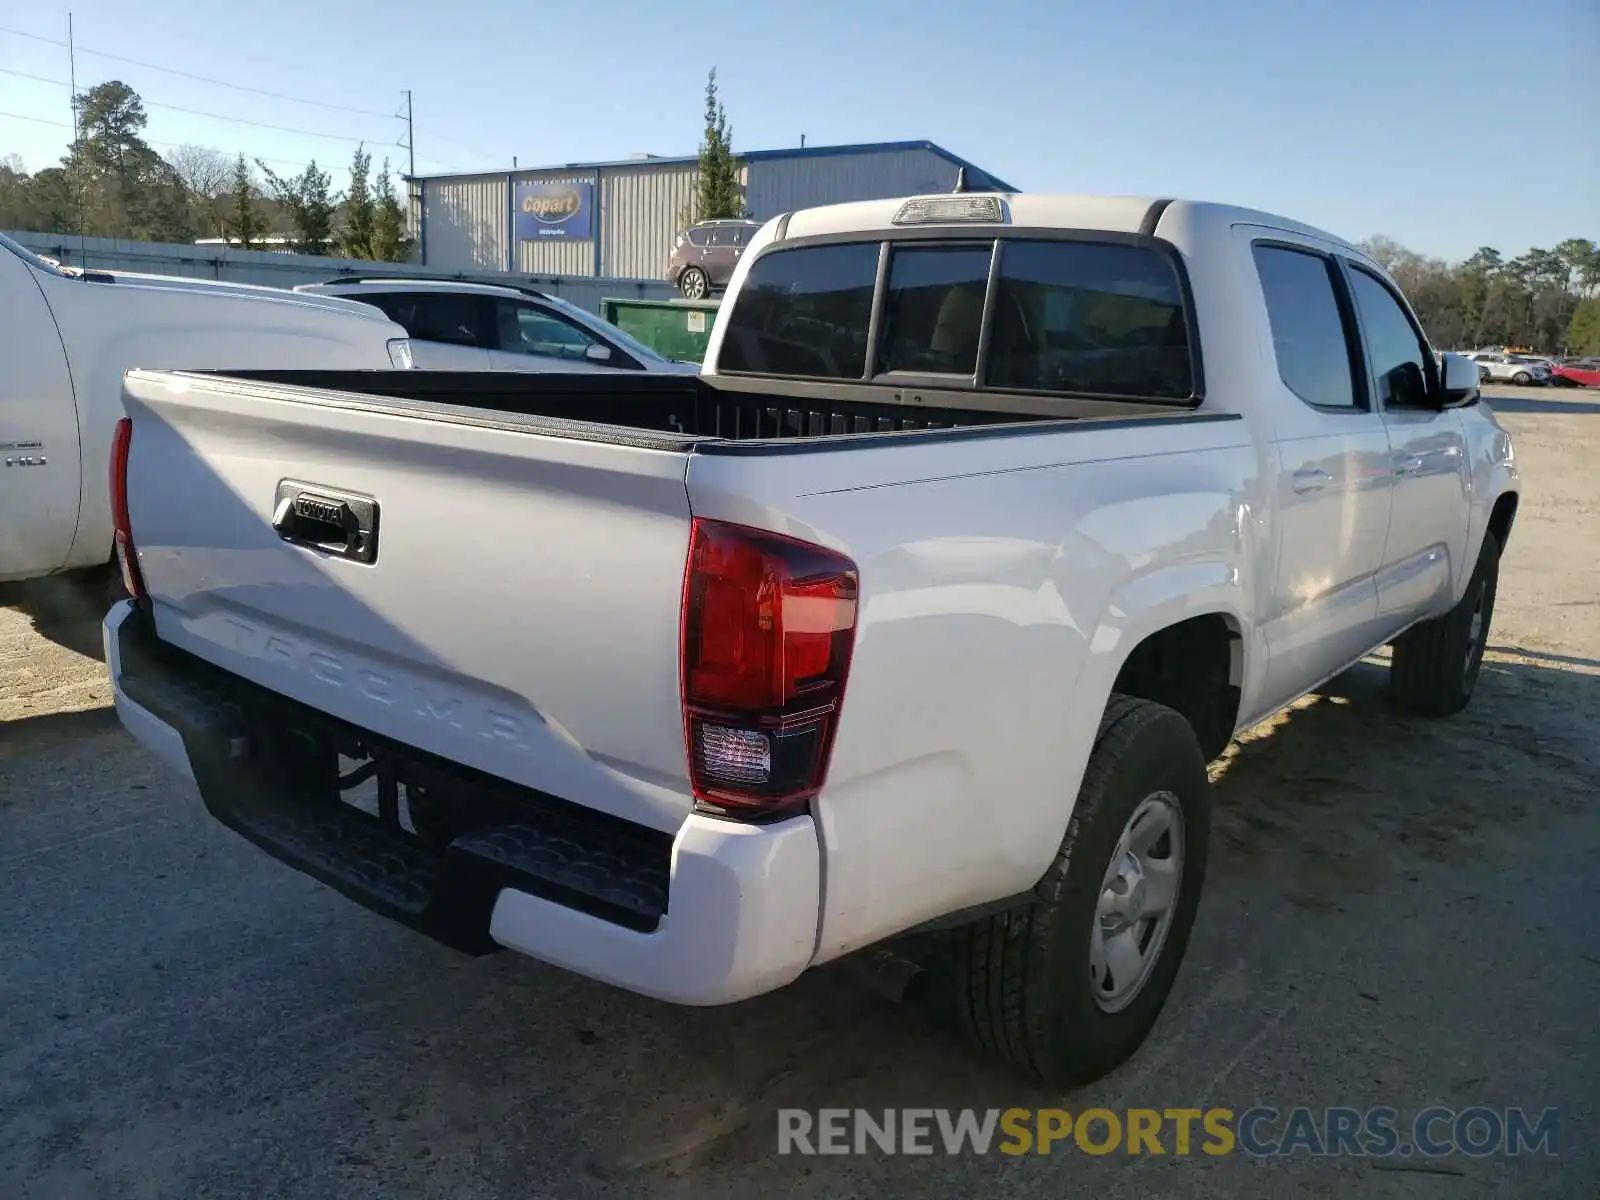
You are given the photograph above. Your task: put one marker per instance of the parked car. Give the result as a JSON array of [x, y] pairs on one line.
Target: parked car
[[922, 608], [705, 255], [1514, 368], [66, 337], [1582, 372], [456, 325]]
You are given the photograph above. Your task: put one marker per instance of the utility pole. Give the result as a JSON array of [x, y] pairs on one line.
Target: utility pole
[[411, 135], [72, 76]]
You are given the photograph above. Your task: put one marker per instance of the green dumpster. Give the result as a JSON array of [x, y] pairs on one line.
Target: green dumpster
[[675, 328]]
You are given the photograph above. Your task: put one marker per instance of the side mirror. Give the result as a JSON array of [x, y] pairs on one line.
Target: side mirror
[[1407, 388], [1458, 377], [601, 354]]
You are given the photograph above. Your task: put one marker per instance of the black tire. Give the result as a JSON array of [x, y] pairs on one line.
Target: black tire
[[1522, 379], [694, 284], [1022, 978], [1483, 375], [1434, 665]]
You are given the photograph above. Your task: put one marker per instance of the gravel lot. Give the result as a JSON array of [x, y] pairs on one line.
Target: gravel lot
[[1399, 913]]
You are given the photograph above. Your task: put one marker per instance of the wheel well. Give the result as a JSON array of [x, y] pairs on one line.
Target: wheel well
[[1195, 667], [1505, 512]]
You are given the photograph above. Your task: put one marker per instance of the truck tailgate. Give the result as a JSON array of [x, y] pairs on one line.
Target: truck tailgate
[[517, 579]]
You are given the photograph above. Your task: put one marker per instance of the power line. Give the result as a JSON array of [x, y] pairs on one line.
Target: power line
[[238, 87], [37, 120], [195, 112]]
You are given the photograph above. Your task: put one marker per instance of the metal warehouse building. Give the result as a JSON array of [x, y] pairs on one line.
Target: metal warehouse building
[[619, 219]]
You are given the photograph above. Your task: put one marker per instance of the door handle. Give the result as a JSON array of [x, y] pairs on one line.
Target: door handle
[[342, 524], [1311, 480], [1410, 464]]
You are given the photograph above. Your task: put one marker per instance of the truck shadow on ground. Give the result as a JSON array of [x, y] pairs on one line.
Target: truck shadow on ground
[[48, 731], [1530, 404], [64, 611]]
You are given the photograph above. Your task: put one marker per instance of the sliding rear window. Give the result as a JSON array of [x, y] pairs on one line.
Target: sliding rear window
[[804, 313], [1070, 317]]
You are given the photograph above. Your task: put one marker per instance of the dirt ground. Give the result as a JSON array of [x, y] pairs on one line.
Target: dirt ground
[[1399, 913]]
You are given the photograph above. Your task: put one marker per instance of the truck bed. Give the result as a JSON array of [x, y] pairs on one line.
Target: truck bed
[[677, 412]]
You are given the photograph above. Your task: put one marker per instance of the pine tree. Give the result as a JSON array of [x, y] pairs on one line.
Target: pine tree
[[243, 222], [308, 198], [360, 211], [389, 240], [717, 195]]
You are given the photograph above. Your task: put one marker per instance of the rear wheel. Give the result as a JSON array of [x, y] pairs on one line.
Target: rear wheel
[[1070, 986], [1435, 665], [694, 284]]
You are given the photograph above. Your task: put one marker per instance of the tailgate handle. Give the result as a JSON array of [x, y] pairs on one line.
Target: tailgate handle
[[343, 524]]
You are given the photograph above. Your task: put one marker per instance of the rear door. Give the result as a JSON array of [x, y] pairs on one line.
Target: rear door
[[450, 331], [1331, 469], [1429, 512], [39, 453]]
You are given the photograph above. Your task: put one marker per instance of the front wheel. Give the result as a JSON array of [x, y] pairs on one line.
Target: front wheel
[[1070, 986], [694, 284], [1522, 378], [1434, 665]]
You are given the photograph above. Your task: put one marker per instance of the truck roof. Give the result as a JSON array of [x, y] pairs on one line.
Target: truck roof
[[1108, 213]]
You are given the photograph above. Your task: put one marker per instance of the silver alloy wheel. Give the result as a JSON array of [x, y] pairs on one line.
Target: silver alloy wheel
[[694, 283], [1138, 898]]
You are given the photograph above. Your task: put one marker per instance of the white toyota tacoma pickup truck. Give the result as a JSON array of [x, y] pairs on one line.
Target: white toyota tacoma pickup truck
[[991, 520], [67, 336]]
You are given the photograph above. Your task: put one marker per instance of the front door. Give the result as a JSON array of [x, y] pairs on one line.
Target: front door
[[1331, 475], [530, 338], [1428, 519], [40, 471]]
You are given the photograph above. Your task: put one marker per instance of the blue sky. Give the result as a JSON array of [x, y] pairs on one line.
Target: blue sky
[[1446, 124]]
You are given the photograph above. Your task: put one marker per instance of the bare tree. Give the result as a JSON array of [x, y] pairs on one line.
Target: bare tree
[[208, 175]]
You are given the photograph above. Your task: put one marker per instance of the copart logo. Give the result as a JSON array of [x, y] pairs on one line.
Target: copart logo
[[553, 205]]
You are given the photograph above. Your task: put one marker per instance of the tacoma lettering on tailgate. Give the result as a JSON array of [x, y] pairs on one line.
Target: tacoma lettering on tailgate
[[435, 704]]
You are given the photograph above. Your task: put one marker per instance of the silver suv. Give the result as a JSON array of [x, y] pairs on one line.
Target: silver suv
[[1511, 368]]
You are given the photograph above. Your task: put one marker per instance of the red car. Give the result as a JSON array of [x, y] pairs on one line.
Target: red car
[[1585, 372]]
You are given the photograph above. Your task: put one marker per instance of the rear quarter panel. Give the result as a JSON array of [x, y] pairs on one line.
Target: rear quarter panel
[[1004, 580]]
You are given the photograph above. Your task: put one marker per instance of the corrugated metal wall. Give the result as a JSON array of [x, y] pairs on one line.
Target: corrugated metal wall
[[555, 256], [465, 223], [779, 185], [642, 211]]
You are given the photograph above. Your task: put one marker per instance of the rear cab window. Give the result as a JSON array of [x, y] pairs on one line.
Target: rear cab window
[[1057, 316]]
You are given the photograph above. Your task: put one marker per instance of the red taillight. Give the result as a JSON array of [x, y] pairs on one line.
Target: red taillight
[[768, 627], [121, 530]]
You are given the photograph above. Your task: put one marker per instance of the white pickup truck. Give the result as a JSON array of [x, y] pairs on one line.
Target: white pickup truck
[[991, 519], [67, 336]]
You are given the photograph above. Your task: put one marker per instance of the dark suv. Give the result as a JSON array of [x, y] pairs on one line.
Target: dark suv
[[705, 254]]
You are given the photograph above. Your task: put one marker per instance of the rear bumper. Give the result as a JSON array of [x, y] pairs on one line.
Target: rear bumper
[[717, 913]]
